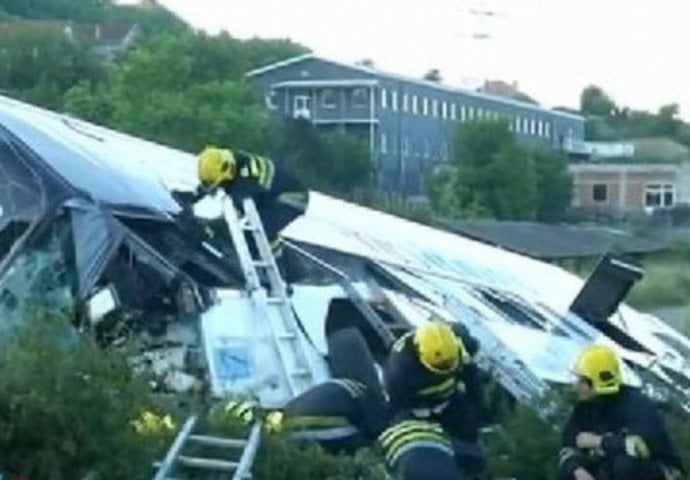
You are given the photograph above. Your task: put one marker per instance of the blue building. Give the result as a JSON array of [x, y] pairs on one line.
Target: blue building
[[408, 123]]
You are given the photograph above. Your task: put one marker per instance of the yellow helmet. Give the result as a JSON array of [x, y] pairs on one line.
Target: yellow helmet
[[438, 346], [600, 365], [215, 166]]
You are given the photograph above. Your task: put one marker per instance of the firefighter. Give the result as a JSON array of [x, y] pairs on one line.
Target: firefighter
[[430, 379], [614, 432], [241, 175], [333, 413]]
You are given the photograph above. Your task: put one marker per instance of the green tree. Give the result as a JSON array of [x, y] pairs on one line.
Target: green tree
[[336, 162], [90, 101], [594, 101], [490, 176], [669, 123], [554, 185], [347, 163], [39, 63], [186, 90], [151, 17], [259, 52]]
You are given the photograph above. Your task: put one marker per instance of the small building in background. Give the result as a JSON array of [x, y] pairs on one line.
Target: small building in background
[[627, 188]]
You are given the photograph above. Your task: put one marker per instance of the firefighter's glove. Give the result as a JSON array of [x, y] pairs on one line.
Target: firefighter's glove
[[636, 447], [273, 423], [151, 424], [242, 410]]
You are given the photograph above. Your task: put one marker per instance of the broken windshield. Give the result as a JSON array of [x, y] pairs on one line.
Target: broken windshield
[[40, 277]]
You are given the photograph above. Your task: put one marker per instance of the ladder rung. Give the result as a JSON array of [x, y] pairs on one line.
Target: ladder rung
[[276, 300], [303, 372], [208, 463], [261, 263], [218, 442], [287, 336]]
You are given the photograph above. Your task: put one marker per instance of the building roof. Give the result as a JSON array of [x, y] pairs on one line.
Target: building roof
[[418, 81], [553, 242]]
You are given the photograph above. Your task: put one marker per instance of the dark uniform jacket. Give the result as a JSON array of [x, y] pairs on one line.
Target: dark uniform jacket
[[267, 184], [455, 400], [411, 385], [628, 412]]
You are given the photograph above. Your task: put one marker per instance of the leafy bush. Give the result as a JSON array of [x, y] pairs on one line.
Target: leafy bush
[[66, 408]]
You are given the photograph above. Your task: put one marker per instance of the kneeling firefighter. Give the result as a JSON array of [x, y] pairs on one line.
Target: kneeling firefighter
[[614, 431], [435, 395]]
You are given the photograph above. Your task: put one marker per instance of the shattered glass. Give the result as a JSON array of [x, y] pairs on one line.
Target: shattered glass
[[40, 277]]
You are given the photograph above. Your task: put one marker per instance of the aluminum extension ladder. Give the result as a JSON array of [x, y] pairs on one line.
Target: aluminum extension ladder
[[275, 305], [219, 468]]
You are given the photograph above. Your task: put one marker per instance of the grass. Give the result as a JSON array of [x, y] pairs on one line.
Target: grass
[[666, 283]]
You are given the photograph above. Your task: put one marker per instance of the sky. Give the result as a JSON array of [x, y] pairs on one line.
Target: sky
[[634, 50]]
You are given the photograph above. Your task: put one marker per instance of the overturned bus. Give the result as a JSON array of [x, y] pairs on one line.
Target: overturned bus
[[89, 226]]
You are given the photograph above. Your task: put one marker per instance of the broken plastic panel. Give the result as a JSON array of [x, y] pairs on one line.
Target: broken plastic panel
[[606, 288], [102, 302]]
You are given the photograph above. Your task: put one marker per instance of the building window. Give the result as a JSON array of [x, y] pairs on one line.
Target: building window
[[444, 109], [659, 196], [394, 100], [518, 124], [463, 113], [533, 127], [470, 113], [384, 143], [525, 126], [271, 100], [480, 113], [453, 111], [434, 107], [405, 102], [360, 97], [415, 104], [540, 128], [599, 192], [425, 106], [328, 98], [547, 130], [384, 98]]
